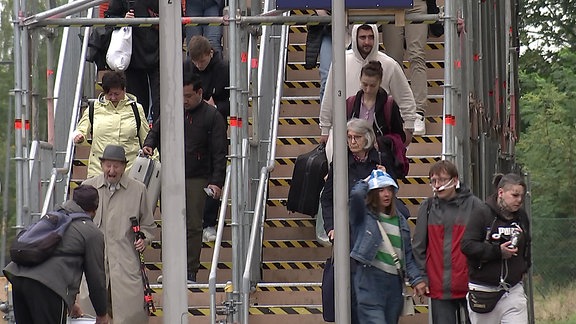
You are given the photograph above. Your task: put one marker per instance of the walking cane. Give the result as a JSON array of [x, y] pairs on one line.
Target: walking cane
[[147, 290]]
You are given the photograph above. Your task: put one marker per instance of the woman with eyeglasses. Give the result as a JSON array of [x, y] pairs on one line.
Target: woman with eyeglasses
[[436, 244], [362, 159]]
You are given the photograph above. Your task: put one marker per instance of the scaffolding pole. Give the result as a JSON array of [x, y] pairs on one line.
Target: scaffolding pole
[[174, 294]]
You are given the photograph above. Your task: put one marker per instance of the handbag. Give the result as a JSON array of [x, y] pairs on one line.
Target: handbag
[[328, 309], [408, 308], [484, 301], [120, 49]]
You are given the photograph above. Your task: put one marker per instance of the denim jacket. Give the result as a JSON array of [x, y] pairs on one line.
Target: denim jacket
[[368, 238]]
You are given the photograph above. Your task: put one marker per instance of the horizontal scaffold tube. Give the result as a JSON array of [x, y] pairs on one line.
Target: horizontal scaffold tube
[[248, 20]]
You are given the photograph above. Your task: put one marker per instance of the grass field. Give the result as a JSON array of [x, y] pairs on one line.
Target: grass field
[[555, 305]]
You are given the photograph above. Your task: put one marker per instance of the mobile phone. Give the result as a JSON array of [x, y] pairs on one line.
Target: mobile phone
[[209, 192]]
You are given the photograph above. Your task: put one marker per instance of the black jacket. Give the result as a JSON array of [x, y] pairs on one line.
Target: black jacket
[[215, 82], [485, 231], [205, 145], [145, 40]]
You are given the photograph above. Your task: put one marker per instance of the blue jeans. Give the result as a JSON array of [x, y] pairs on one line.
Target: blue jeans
[[378, 296], [325, 62], [205, 8]]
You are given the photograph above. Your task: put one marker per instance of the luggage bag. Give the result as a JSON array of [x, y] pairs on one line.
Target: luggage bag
[[147, 171], [307, 181]]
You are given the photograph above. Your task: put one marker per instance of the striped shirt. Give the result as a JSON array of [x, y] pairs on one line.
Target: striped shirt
[[384, 260]]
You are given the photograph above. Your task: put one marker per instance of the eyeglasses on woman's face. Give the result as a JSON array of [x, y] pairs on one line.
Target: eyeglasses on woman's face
[[355, 138]]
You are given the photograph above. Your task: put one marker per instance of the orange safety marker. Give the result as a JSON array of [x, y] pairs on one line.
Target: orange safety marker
[[244, 57], [235, 121], [450, 120], [186, 20], [18, 124], [49, 72], [254, 63], [457, 64]]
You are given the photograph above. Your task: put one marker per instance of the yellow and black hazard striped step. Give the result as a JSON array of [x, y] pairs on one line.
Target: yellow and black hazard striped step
[[277, 222], [412, 201], [427, 139], [305, 12], [266, 265], [297, 141], [299, 121], [80, 162], [289, 222], [316, 84], [302, 84], [282, 202], [266, 287], [266, 244], [281, 182], [296, 101], [275, 310], [429, 64], [257, 310], [424, 160], [413, 159], [429, 46]]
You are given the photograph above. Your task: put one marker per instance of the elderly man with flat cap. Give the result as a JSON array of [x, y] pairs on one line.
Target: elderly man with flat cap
[[121, 198]]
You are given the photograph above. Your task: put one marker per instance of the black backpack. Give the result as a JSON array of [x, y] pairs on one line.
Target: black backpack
[[37, 242]]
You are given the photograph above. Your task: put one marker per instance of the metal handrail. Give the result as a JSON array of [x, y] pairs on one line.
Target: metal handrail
[[217, 247], [67, 167], [258, 220]]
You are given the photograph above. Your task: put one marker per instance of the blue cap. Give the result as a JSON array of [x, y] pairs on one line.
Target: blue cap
[[381, 179]]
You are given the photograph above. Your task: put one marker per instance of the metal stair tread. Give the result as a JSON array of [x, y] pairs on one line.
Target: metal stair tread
[[269, 244], [262, 286]]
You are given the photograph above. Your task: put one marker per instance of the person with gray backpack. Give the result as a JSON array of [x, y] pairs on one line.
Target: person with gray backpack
[[45, 290]]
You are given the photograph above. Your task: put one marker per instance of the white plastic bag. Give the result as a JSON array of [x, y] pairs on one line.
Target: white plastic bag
[[120, 49]]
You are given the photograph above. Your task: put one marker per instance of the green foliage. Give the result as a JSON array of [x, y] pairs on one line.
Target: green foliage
[[548, 145], [548, 25]]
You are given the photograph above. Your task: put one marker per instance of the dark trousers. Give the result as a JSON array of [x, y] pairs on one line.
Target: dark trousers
[[195, 201], [211, 212], [449, 311], [34, 303], [145, 83]]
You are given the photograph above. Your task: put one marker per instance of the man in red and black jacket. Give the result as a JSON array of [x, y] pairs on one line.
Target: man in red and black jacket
[[436, 244]]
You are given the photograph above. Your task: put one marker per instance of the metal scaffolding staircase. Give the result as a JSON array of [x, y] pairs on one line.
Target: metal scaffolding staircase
[[293, 260]]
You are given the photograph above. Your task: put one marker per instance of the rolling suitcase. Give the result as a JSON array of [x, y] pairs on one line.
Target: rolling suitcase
[[307, 181], [147, 171]]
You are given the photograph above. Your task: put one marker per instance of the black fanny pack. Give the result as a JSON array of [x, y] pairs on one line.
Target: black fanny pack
[[484, 301]]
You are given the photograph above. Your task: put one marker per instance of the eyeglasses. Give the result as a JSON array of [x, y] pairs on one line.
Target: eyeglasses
[[439, 181], [354, 138]]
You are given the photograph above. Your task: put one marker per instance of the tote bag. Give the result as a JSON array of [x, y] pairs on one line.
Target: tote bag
[[120, 49]]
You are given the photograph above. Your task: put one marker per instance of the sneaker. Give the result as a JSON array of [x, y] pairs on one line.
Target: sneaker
[[209, 234], [191, 279], [419, 125]]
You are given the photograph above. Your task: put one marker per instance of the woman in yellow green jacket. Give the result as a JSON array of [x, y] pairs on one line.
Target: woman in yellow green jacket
[[116, 119]]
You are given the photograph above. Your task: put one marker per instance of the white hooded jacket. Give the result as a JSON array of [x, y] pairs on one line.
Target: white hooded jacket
[[393, 81]]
